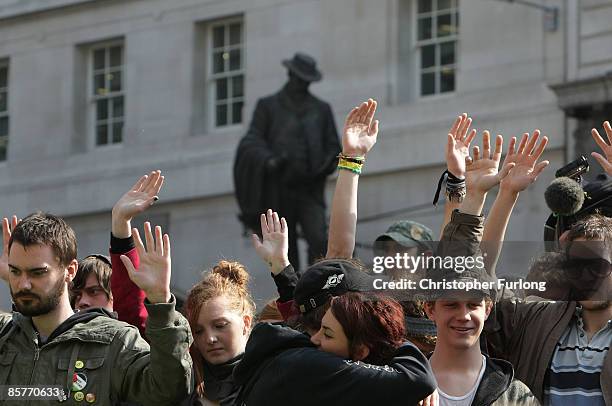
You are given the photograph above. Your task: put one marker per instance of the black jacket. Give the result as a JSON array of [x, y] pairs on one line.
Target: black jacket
[[275, 130], [282, 367]]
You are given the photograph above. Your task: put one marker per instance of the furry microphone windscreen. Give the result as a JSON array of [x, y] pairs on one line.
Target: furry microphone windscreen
[[564, 196]]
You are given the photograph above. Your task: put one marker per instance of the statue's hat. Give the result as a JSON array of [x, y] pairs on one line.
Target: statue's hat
[[304, 66]]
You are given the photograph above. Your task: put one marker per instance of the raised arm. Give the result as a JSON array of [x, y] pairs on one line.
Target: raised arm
[[135, 201], [525, 172], [457, 150], [482, 174], [273, 249], [358, 138], [163, 374], [128, 299], [463, 234], [153, 276], [605, 162]]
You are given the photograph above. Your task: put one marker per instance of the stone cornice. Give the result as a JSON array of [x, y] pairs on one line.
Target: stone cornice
[[18, 8], [584, 92]]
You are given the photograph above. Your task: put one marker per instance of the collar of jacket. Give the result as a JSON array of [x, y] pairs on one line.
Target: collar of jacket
[[87, 325], [218, 380], [495, 381]]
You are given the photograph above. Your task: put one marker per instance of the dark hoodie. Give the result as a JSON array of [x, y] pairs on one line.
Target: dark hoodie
[[499, 388], [282, 367]]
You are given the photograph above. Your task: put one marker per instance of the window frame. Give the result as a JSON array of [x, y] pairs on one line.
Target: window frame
[[418, 44], [5, 63], [92, 98], [211, 77]]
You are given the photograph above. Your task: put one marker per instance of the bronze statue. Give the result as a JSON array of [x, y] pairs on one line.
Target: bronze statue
[[283, 160]]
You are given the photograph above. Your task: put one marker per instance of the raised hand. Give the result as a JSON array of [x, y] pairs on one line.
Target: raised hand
[[360, 132], [274, 249], [140, 196], [6, 236], [153, 274], [526, 169], [135, 201], [482, 169], [458, 145], [605, 162]]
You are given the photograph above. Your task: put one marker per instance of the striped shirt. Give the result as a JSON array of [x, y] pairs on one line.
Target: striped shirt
[[574, 374]]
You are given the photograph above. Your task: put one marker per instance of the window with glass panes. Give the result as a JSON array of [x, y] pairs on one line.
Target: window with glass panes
[[226, 72], [4, 117], [107, 76], [437, 32]]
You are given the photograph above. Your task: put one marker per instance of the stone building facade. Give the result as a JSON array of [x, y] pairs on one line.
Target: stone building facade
[[95, 93]]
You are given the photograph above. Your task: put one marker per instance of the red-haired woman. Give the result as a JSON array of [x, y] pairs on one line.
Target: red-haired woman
[[362, 327], [220, 311]]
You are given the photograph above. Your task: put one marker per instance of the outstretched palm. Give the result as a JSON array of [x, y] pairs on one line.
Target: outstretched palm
[[605, 162], [525, 171], [482, 169], [360, 131], [458, 145], [274, 246], [153, 274], [140, 196]]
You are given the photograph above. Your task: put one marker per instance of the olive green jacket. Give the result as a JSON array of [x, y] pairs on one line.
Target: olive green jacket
[[112, 361]]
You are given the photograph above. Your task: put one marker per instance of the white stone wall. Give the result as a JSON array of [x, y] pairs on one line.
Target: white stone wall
[[506, 60], [591, 40]]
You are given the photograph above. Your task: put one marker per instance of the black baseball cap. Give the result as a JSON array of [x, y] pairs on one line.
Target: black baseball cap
[[329, 278]]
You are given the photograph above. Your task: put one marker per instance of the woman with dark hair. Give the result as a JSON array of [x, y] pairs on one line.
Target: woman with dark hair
[[362, 327], [358, 357]]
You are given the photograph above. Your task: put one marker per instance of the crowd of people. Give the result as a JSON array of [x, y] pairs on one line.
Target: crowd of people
[[107, 331]]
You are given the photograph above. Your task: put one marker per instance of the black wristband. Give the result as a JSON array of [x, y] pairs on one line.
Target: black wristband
[[121, 245]]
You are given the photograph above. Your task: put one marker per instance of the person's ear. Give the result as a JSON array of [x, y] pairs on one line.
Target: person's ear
[[71, 270], [429, 308], [361, 352], [247, 320]]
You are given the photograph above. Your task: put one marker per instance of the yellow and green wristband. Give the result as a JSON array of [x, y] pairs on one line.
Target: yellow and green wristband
[[352, 166]]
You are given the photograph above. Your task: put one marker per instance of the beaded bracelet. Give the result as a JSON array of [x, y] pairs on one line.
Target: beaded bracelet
[[455, 188]]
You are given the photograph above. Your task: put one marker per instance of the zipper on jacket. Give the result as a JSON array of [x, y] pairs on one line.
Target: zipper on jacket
[[36, 356]]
